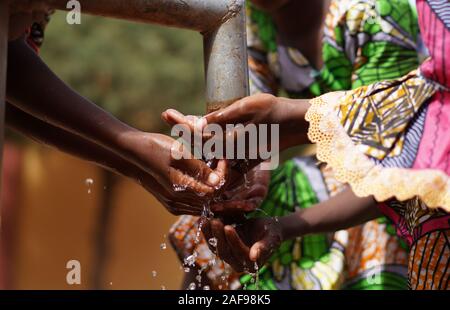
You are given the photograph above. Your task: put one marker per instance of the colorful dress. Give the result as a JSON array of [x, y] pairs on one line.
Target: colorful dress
[[364, 41], [391, 140]]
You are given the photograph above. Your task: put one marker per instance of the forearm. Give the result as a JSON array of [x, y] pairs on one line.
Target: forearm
[[68, 142], [34, 88], [339, 212], [294, 128]]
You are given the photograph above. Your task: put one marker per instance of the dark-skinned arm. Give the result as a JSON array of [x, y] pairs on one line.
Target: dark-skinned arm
[[35, 89], [80, 147]]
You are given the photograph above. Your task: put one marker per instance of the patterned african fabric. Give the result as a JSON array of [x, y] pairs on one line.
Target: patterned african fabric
[[365, 41], [390, 140], [323, 261], [361, 37]]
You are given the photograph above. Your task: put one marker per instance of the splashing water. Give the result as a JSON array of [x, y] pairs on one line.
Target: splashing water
[[187, 269], [192, 286], [213, 242], [256, 267], [206, 214], [179, 188], [199, 278], [190, 260], [246, 181], [206, 288]]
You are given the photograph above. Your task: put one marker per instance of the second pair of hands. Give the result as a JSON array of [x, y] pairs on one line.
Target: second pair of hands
[[242, 242]]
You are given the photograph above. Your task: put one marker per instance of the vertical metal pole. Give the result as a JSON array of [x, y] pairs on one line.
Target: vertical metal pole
[[4, 24], [226, 64]]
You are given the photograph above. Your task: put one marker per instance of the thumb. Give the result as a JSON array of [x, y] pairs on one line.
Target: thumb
[[260, 251]]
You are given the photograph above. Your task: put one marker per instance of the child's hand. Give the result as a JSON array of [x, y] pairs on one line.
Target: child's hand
[[243, 195], [261, 109], [154, 154], [253, 241]]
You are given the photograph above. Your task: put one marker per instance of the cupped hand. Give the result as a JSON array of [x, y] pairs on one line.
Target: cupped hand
[[176, 203], [260, 109], [173, 167], [241, 246], [242, 194]]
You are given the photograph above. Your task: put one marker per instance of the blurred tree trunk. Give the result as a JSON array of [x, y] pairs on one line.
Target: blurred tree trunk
[[11, 175], [102, 233]]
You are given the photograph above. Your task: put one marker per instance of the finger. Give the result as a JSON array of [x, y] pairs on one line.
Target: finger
[[261, 251], [234, 206], [233, 114], [199, 170], [223, 250], [173, 117], [177, 208], [239, 250], [221, 171]]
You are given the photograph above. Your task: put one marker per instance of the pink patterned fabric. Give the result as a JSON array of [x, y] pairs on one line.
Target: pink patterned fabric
[[434, 149]]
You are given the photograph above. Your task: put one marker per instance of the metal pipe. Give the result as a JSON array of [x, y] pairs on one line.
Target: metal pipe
[[222, 23], [197, 15], [226, 65]]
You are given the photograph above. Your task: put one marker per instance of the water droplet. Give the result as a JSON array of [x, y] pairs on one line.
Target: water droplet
[[213, 242], [110, 283], [187, 269], [163, 288], [192, 286], [256, 266], [89, 191], [179, 188], [198, 278], [206, 288], [190, 260], [163, 246], [154, 273], [89, 182], [246, 181]]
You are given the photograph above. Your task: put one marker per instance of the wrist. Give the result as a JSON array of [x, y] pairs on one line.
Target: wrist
[[292, 226], [293, 127], [139, 148]]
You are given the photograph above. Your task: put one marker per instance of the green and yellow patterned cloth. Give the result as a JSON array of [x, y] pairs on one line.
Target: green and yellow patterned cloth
[[364, 41]]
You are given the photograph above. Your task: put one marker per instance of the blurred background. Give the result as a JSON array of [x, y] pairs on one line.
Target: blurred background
[[59, 208]]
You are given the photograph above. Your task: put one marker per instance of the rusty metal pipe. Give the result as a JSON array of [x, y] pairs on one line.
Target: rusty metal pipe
[[226, 66], [197, 15], [222, 23]]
